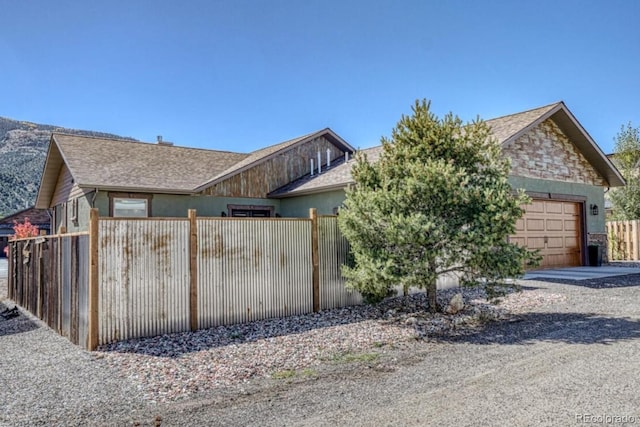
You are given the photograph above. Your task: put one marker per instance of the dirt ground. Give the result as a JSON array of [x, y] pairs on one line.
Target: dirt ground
[[574, 361]]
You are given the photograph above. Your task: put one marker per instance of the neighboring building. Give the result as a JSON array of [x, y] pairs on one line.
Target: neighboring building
[[553, 158], [38, 217]]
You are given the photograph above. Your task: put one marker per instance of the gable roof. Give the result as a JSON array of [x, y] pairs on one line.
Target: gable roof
[[264, 154], [336, 177], [115, 164], [39, 217], [511, 127], [124, 165], [505, 129]]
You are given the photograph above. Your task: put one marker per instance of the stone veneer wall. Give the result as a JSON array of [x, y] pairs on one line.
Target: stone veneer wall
[[546, 153]]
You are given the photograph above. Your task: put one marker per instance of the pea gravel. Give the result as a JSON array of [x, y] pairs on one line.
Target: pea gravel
[[45, 380]]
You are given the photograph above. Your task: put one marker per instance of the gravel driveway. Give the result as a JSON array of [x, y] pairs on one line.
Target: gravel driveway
[[558, 354]]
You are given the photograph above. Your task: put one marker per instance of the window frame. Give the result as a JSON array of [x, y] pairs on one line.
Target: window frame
[[137, 196], [231, 208]]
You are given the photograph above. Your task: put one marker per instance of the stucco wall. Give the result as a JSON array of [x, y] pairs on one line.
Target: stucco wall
[[545, 152], [298, 207], [172, 205], [593, 194]]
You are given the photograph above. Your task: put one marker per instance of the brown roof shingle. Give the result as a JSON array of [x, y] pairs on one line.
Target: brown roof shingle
[[503, 128], [114, 163]]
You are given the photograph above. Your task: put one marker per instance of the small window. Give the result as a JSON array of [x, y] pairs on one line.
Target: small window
[[130, 205], [250, 211], [125, 207]]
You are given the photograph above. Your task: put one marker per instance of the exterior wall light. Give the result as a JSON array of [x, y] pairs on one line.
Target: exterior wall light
[[594, 209]]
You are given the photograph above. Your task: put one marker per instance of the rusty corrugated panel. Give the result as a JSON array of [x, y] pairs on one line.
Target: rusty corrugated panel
[[333, 249], [251, 269], [144, 277]]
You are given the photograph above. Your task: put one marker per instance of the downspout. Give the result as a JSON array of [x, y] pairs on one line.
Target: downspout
[[93, 199]]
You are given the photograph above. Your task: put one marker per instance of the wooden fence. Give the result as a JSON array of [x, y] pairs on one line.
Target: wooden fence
[[130, 278], [49, 276], [623, 240]]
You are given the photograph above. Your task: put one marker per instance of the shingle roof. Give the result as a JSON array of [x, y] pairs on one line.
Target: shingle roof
[[504, 129], [125, 165], [39, 217], [113, 163]]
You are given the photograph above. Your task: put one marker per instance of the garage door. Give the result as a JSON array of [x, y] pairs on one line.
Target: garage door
[[553, 227]]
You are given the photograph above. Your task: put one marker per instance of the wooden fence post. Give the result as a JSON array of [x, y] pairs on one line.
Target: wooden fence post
[[313, 214], [193, 269], [94, 299], [10, 278]]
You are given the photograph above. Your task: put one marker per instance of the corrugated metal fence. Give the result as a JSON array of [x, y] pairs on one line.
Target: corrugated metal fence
[[151, 276], [250, 269], [624, 238], [333, 251], [143, 277], [49, 276]]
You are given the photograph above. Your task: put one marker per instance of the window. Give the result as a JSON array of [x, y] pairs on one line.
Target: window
[[250, 211], [129, 205]]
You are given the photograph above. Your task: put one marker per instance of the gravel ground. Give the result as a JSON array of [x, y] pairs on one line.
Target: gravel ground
[[361, 365]]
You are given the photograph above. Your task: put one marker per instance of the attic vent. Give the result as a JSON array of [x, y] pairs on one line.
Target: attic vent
[[161, 142]]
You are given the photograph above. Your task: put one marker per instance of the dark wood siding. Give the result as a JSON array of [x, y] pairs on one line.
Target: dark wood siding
[[276, 171]]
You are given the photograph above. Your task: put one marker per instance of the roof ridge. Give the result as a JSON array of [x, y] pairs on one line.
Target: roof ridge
[[525, 111], [151, 144], [290, 140]]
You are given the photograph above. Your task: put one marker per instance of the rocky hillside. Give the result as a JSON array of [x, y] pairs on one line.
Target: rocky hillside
[[23, 148]]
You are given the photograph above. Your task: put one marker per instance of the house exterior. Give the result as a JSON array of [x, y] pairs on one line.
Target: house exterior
[[553, 159], [38, 217], [133, 179]]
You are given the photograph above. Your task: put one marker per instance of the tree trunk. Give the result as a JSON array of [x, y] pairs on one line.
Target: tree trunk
[[431, 296]]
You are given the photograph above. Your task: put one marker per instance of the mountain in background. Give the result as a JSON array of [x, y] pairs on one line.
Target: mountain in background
[[23, 148]]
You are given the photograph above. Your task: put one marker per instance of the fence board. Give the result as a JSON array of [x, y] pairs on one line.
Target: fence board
[[623, 240], [333, 251], [252, 269], [48, 278], [143, 278]]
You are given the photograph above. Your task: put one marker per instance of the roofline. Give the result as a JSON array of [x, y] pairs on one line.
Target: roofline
[[598, 150], [39, 203], [136, 189], [316, 190], [336, 139], [19, 212], [560, 106], [540, 119], [135, 141]]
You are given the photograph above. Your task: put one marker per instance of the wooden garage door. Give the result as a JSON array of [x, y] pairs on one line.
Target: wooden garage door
[[553, 227]]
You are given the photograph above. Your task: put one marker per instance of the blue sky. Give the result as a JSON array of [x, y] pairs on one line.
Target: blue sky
[[239, 75]]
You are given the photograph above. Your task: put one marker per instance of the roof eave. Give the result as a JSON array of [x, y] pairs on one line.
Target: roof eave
[[590, 149], [152, 190], [317, 190], [534, 123], [334, 139], [51, 164]]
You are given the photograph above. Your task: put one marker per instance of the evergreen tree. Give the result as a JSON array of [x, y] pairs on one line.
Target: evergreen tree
[[438, 201], [625, 201]]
